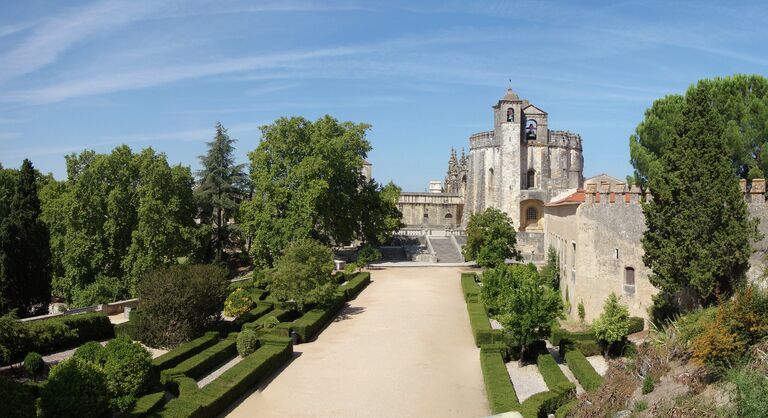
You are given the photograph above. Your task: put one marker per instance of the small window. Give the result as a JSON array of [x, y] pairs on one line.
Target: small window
[[448, 216], [616, 253], [530, 179], [530, 129], [426, 215], [629, 281], [510, 115], [532, 214]]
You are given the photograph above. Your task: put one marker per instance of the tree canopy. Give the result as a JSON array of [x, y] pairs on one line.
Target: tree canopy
[[25, 254], [517, 299], [698, 229], [222, 185], [307, 183], [491, 238], [115, 217], [740, 106], [302, 276], [613, 324]]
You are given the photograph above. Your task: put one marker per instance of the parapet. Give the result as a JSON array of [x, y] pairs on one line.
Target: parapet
[[483, 140], [606, 193], [565, 139]]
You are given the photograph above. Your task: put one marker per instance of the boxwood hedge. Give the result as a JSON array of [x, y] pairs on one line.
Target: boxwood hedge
[[146, 405], [313, 321], [185, 351], [498, 387], [589, 379], [481, 327], [470, 288], [197, 365], [355, 285], [64, 332]]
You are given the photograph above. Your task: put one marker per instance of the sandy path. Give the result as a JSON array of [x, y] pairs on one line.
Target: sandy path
[[403, 348]]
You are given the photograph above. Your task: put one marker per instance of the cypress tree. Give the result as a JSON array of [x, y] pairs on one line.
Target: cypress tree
[[25, 254], [698, 229]]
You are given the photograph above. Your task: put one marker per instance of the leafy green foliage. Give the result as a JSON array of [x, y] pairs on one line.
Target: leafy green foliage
[[582, 312], [127, 370], [501, 394], [379, 215], [247, 342], [185, 351], [92, 352], [75, 389], [221, 187], [613, 324], [18, 400], [179, 302], [367, 255], [238, 303], [741, 105], [114, 218], [648, 384], [550, 273], [525, 308], [13, 338], [25, 253], [302, 275], [270, 322], [698, 229], [307, 183], [34, 364], [490, 238], [749, 393], [583, 371]]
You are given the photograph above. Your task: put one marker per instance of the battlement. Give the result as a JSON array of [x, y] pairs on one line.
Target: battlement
[[619, 193], [483, 140], [565, 139]]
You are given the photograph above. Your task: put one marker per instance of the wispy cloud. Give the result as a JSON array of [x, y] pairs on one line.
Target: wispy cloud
[[8, 30], [271, 88], [57, 34]]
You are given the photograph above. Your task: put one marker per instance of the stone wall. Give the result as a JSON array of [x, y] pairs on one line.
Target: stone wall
[[442, 209]]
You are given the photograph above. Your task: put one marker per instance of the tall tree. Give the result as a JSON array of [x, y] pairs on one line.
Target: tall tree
[[307, 178], [741, 103], [698, 228], [491, 238], [25, 254], [222, 185], [379, 215]]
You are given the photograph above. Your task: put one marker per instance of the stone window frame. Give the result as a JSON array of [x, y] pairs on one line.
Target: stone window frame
[[530, 179], [531, 213], [629, 273]]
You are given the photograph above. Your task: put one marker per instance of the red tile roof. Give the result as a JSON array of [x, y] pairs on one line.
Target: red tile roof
[[575, 198]]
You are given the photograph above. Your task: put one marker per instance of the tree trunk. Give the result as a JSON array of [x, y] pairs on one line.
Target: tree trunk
[[218, 235], [521, 362]]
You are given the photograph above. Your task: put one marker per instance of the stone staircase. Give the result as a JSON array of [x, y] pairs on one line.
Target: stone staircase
[[445, 250]]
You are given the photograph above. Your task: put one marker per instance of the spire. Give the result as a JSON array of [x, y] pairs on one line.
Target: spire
[[511, 96]]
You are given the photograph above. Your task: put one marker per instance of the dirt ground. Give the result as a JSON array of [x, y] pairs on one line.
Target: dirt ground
[[403, 348]]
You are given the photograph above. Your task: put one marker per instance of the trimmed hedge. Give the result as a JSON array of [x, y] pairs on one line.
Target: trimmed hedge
[[551, 372], [561, 390], [589, 379], [355, 285], [566, 408], [313, 321], [481, 327], [217, 396], [259, 311], [636, 324], [559, 334], [185, 351], [146, 405], [69, 331], [498, 387], [469, 287], [197, 365]]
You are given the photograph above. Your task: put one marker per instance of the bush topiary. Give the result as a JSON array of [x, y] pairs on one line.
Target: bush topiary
[[92, 352], [178, 303], [17, 400], [76, 389], [247, 342], [238, 303], [34, 364], [127, 368]]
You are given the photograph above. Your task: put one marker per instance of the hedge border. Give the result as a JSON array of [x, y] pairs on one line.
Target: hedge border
[[498, 386], [314, 320], [197, 365], [481, 326], [589, 379], [561, 390], [185, 351], [146, 405], [355, 285], [470, 288]]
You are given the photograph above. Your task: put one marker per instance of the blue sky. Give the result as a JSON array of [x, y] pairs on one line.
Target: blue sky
[[95, 74]]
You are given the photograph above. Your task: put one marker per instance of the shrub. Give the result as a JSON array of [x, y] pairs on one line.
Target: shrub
[[247, 342], [749, 393], [17, 400], [238, 303], [34, 364], [640, 405], [613, 324], [582, 312], [185, 351], [583, 371], [490, 238], [302, 276], [355, 285], [270, 322], [179, 302], [13, 338], [127, 368], [501, 394], [648, 385], [76, 389], [367, 255], [636, 324], [92, 352]]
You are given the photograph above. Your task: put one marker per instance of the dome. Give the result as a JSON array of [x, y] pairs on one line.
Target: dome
[[510, 96]]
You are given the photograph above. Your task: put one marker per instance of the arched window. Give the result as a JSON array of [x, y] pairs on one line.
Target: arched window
[[629, 280], [448, 216], [530, 179], [510, 115], [530, 129], [531, 214]]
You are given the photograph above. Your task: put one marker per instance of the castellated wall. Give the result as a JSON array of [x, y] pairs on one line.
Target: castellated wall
[[598, 240], [430, 210]]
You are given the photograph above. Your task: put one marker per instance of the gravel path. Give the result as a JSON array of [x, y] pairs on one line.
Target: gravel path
[[403, 348], [527, 380], [599, 364], [218, 372]]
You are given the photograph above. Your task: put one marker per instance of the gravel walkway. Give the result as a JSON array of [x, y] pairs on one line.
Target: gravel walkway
[[402, 348], [218, 372], [599, 364], [527, 380]]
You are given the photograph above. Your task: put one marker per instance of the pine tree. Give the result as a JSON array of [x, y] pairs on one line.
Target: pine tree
[[25, 254], [222, 186], [698, 229]]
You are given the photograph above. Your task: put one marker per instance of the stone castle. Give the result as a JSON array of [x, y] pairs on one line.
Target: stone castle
[[535, 175]]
